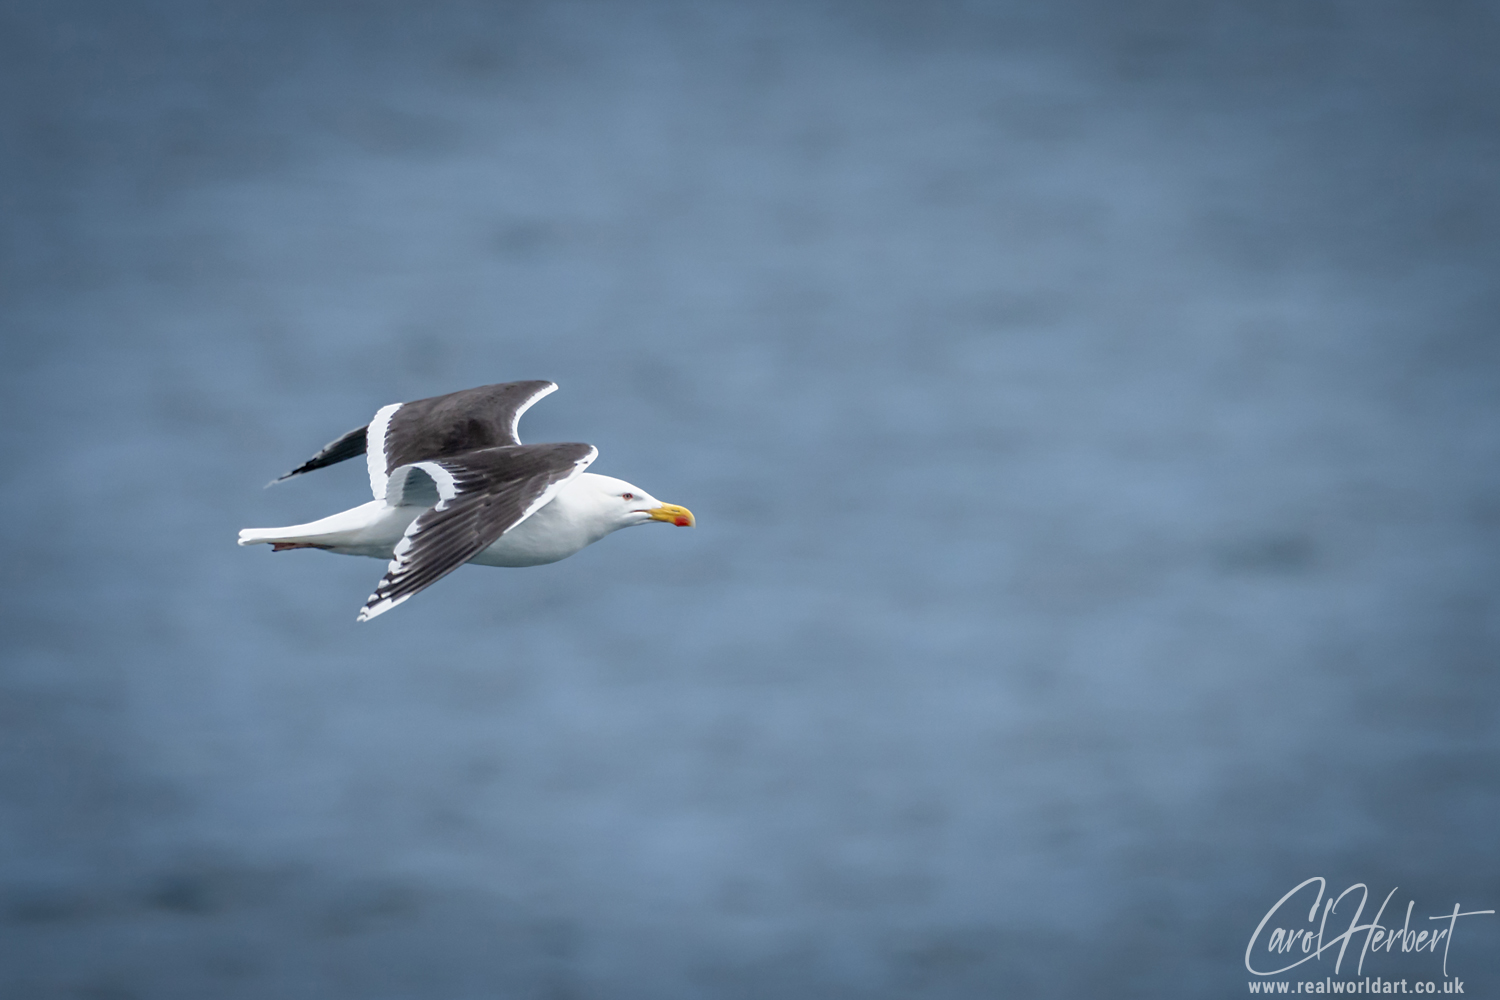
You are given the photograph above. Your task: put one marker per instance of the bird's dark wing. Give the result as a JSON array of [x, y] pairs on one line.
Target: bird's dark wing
[[403, 433], [443, 426], [483, 494]]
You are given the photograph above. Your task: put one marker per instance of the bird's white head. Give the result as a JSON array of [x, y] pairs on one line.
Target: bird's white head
[[626, 504]]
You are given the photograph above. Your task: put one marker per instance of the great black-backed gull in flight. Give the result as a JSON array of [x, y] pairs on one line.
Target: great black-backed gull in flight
[[454, 484]]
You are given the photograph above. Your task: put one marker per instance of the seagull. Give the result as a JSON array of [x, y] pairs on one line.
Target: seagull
[[453, 484]]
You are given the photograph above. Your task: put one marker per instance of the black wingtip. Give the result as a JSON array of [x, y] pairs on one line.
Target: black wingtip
[[346, 447]]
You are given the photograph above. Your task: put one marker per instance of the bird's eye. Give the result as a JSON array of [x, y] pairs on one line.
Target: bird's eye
[[627, 496]]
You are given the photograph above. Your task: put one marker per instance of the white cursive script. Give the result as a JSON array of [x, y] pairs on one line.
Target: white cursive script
[[1378, 937]]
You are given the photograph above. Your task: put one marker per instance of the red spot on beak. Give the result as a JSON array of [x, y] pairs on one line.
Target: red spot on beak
[[682, 522]]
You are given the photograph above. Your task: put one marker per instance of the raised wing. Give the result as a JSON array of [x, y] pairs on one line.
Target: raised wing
[[482, 495], [403, 433], [444, 426]]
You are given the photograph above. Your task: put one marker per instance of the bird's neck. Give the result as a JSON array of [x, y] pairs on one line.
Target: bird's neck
[[581, 504]]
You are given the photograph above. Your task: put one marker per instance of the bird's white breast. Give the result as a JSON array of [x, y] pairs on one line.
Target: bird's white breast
[[571, 521]]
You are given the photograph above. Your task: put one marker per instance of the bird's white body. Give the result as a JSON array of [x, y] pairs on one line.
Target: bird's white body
[[587, 508]]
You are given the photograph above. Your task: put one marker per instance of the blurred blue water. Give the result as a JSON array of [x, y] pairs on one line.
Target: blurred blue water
[[1090, 415]]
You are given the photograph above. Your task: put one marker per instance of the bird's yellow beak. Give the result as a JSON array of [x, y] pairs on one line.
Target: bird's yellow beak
[[673, 514]]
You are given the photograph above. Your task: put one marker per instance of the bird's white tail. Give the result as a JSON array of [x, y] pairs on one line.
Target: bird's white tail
[[371, 529]]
